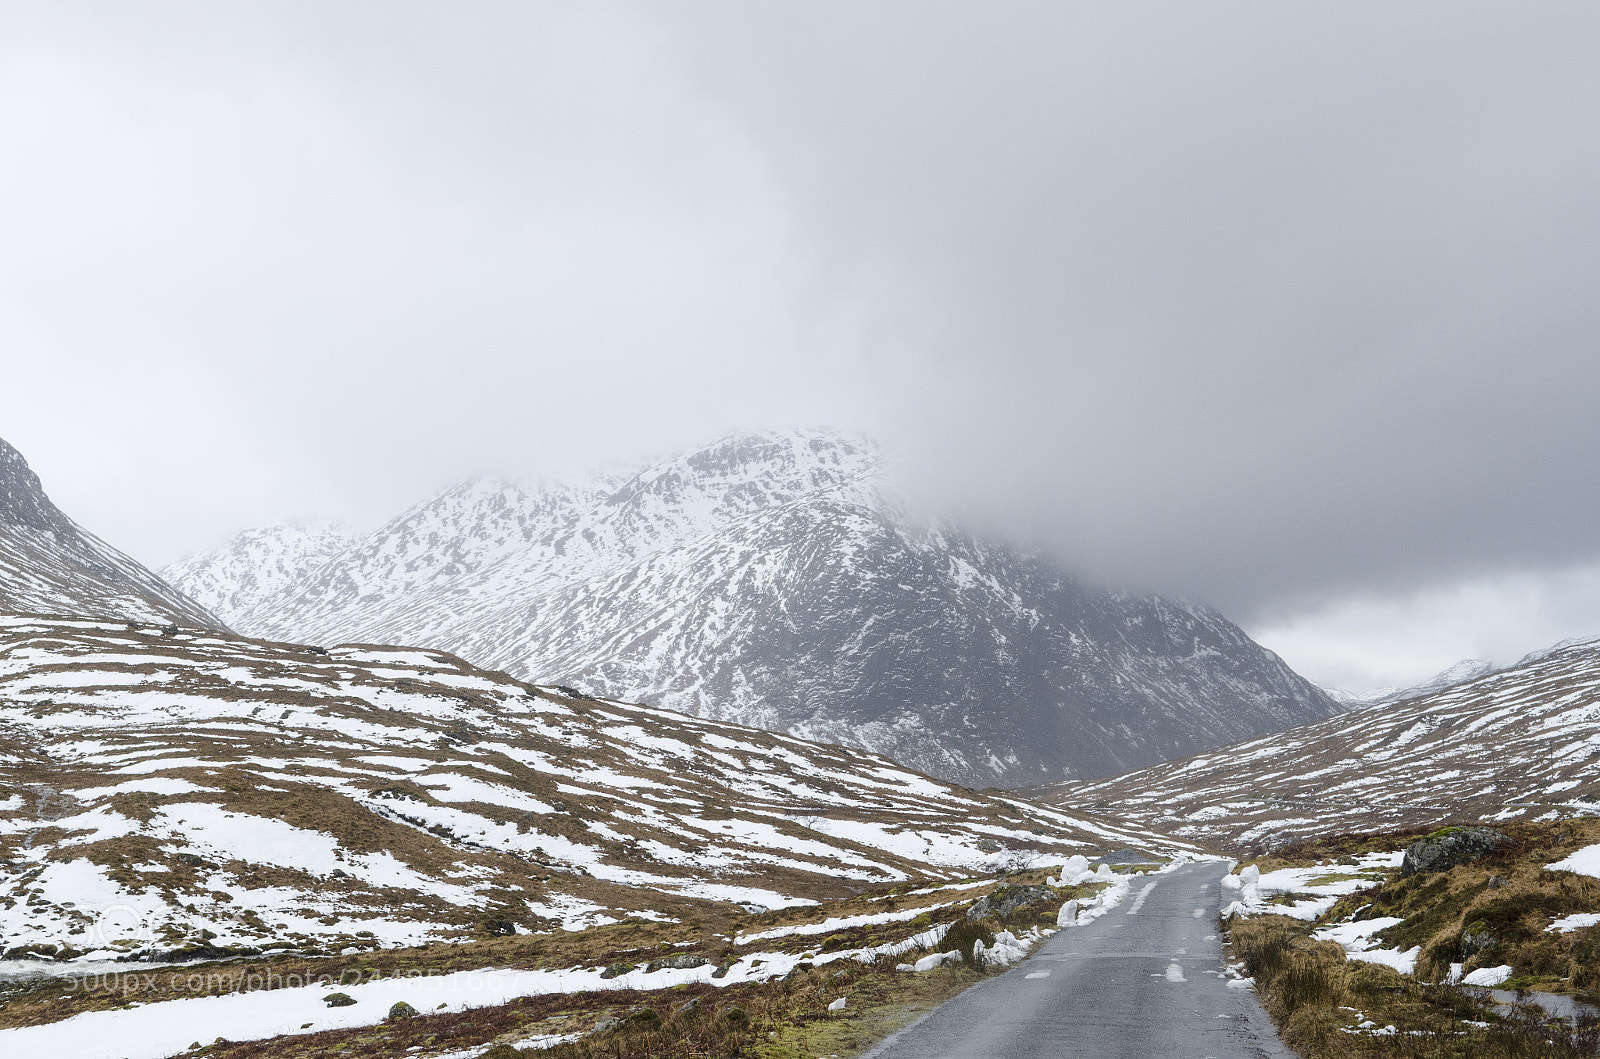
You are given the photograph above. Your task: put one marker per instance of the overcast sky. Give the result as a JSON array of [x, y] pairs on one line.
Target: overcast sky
[[1292, 309]]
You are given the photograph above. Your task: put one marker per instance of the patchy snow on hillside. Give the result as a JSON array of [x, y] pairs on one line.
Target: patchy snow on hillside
[[256, 794], [1585, 861], [1514, 744]]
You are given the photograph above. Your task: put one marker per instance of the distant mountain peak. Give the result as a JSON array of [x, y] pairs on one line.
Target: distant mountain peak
[[1461, 672], [23, 503], [49, 565]]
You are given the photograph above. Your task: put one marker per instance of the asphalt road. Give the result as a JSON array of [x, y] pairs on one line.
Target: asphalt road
[[1145, 979]]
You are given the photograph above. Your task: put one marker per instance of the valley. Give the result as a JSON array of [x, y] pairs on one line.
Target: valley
[[285, 818]]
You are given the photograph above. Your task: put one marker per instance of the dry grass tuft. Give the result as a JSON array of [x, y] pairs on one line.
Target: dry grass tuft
[[1490, 912], [1319, 1001]]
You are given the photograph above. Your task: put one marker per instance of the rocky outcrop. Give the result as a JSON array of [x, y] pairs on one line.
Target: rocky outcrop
[[1449, 847], [1007, 900]]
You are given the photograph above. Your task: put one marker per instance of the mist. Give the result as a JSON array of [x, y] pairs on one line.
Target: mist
[[1286, 310]]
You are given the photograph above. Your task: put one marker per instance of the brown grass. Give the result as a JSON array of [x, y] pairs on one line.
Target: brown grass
[[1453, 915], [1318, 999], [1313, 992]]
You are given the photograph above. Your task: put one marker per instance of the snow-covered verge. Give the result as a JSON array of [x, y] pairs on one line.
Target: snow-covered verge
[[1370, 966], [1308, 893], [1519, 912], [1305, 893]]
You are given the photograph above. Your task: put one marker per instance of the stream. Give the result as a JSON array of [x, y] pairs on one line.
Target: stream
[[1556, 1005]]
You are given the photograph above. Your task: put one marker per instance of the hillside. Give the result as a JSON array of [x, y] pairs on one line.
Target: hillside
[[1521, 743], [773, 580], [178, 790], [49, 565]]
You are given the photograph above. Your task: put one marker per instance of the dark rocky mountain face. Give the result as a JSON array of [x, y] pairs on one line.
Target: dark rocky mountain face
[[768, 579], [23, 504], [966, 661], [48, 565]]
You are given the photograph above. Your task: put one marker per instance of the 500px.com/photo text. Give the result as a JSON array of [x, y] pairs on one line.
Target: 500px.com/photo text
[[210, 982]]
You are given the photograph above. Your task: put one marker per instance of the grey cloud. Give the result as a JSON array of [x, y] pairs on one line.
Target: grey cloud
[[1255, 303], [313, 260], [1260, 304]]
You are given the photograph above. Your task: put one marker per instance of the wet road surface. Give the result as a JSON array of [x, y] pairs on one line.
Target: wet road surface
[[1145, 979]]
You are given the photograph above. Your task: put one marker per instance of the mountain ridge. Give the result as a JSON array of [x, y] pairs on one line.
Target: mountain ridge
[[1521, 742], [51, 565]]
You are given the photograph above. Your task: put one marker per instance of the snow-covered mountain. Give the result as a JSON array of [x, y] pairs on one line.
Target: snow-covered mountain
[[258, 564], [1459, 673], [49, 565], [1517, 743], [769, 579]]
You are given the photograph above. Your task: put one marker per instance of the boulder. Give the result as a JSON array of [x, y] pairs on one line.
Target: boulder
[[683, 962], [1476, 939], [497, 926], [338, 1000], [616, 970], [1445, 849], [401, 1010], [1006, 900]]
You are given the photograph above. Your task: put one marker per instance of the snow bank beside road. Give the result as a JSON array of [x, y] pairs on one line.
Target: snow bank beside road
[[1321, 886], [155, 1031]]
